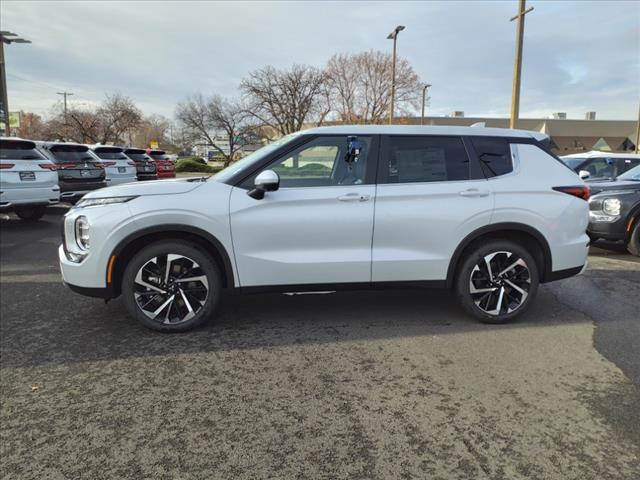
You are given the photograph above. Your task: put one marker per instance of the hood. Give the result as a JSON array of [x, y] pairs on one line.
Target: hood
[[154, 187], [597, 187]]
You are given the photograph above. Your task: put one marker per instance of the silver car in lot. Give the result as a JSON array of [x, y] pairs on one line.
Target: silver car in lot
[[28, 180], [117, 166]]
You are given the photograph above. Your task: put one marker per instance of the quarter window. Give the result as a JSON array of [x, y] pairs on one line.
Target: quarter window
[[494, 155], [426, 159]]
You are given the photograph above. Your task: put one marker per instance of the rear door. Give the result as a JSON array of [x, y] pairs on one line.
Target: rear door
[[430, 196], [317, 228]]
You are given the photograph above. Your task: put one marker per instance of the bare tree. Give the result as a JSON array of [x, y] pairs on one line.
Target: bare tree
[[286, 99], [117, 116], [360, 86], [31, 126], [152, 128], [204, 119]]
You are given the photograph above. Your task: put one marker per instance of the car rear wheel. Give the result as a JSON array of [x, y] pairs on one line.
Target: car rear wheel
[[497, 282], [634, 241], [171, 286], [31, 214]]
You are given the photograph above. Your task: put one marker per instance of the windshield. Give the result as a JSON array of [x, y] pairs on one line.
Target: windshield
[[573, 162], [246, 163], [633, 175]]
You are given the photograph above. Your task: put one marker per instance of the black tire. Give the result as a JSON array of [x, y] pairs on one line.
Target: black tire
[[31, 214], [512, 303], [633, 246], [203, 305]]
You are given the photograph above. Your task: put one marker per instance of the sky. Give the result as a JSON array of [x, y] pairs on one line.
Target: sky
[[578, 56]]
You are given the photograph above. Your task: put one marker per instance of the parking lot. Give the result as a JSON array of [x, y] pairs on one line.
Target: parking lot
[[384, 384]]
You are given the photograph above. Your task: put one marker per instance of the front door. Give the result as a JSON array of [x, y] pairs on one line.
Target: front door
[[317, 227]]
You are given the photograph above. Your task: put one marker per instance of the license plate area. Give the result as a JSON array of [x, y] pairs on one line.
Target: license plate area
[[122, 169], [27, 176], [85, 173]]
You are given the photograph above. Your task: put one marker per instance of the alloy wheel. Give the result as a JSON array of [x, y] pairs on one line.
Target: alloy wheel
[[171, 288], [499, 284]]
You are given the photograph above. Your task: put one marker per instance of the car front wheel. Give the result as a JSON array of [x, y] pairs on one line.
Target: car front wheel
[[497, 281], [171, 286], [634, 241]]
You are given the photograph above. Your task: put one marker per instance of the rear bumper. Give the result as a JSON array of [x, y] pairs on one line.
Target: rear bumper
[[121, 180], [562, 274], [11, 197], [72, 190], [169, 174], [147, 176]]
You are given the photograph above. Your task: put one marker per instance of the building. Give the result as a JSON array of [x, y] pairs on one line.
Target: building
[[567, 135]]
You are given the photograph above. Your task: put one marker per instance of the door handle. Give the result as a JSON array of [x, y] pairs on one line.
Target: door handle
[[354, 197], [474, 192]]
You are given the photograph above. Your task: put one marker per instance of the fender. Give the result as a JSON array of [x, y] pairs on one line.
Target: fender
[[498, 227], [213, 242]]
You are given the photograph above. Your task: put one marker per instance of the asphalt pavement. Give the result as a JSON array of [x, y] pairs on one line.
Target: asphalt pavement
[[368, 385]]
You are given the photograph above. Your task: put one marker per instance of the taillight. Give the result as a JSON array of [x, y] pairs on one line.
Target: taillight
[[580, 191], [48, 166], [133, 164], [6, 165], [105, 164]]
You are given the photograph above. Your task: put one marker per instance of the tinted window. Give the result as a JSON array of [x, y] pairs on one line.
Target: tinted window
[[494, 155], [625, 164], [322, 162], [18, 150], [138, 157], [600, 168], [633, 174], [71, 153], [426, 159], [111, 155]]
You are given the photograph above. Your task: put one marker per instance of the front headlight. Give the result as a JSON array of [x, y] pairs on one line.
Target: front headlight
[[94, 202], [611, 206], [82, 233]]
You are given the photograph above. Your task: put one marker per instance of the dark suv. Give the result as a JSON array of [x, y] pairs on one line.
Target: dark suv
[[614, 210], [79, 170], [145, 165]]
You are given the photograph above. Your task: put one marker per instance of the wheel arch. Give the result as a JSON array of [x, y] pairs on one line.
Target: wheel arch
[[532, 238], [131, 244]]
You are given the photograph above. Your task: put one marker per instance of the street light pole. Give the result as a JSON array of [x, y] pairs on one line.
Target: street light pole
[[393, 36], [424, 99], [8, 38], [517, 67], [638, 133]]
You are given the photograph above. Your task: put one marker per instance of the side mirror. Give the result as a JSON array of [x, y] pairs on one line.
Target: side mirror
[[584, 174], [267, 181]]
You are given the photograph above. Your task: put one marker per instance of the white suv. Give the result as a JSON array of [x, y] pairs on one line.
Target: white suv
[[488, 212], [118, 168], [28, 180]]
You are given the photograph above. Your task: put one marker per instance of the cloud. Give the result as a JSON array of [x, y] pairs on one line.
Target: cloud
[[577, 56]]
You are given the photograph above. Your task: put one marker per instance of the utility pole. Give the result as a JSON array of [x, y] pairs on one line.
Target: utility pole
[[517, 67], [638, 133], [65, 95], [8, 38], [393, 36], [424, 99]]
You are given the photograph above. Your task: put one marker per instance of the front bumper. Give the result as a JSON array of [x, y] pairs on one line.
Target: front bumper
[[615, 230]]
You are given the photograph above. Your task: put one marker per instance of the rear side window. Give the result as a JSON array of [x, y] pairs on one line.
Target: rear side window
[[494, 155], [426, 159], [19, 150]]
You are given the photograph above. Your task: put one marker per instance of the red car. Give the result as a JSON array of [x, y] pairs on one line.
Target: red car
[[165, 167]]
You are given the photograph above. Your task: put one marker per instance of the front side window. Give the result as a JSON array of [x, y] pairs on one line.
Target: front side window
[[494, 154], [322, 162], [426, 159]]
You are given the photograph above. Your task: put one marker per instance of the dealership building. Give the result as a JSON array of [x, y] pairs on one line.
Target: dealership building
[[567, 135]]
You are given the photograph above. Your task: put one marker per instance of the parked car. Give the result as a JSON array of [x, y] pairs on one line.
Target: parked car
[[596, 166], [488, 212], [28, 181], [165, 167], [118, 168], [145, 165], [79, 170], [614, 210]]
